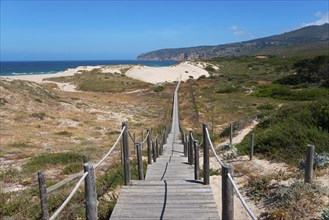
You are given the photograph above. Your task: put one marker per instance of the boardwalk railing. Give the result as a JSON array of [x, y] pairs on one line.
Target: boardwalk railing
[[154, 150], [88, 176], [191, 150]]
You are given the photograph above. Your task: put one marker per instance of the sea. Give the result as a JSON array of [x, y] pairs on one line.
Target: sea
[[14, 68]]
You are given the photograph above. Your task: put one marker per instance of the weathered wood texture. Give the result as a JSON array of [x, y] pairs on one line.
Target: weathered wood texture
[[169, 190]]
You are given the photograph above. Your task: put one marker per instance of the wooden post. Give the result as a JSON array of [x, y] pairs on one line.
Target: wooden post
[[231, 134], [126, 162], [161, 147], [191, 148], [196, 161], [251, 146], [142, 138], [90, 192], [85, 159], [121, 148], [140, 161], [187, 148], [206, 173], [227, 193], [134, 140], [157, 147], [43, 196], [164, 136], [309, 164], [149, 153], [153, 152]]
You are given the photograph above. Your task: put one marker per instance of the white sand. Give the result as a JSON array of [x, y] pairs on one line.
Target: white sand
[[38, 78], [182, 71], [155, 75]]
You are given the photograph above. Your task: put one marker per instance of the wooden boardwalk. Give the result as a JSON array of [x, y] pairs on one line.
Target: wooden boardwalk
[[169, 190]]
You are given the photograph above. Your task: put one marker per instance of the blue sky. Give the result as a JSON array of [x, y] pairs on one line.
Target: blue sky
[[102, 30]]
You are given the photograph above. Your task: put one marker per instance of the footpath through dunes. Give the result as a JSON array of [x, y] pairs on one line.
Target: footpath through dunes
[[169, 190]]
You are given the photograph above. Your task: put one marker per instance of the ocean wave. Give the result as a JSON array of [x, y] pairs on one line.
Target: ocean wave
[[31, 73]]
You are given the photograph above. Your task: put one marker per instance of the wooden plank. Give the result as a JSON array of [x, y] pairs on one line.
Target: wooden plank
[[169, 190]]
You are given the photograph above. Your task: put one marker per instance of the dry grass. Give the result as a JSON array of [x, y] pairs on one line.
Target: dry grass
[[40, 120]]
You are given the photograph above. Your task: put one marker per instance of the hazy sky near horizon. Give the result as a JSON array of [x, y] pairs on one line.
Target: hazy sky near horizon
[[107, 30]]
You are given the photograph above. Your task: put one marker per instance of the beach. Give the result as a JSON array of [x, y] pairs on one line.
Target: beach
[[182, 71]]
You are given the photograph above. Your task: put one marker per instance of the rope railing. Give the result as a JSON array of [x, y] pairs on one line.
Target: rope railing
[[75, 189], [112, 148], [148, 133], [213, 149], [88, 175], [131, 137], [197, 142], [83, 177], [245, 205]]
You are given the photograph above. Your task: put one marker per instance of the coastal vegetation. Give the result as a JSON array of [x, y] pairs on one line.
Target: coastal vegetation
[[288, 96], [97, 81], [48, 129]]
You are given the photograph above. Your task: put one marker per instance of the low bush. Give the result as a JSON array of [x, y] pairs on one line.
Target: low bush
[[64, 133], [210, 68], [72, 168], [158, 89], [284, 135], [266, 106], [41, 161], [299, 199], [286, 93], [227, 89]]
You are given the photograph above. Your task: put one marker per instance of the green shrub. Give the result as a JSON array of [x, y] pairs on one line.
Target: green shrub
[[3, 101], [325, 213], [299, 199], [158, 89], [72, 168], [286, 93], [266, 106], [227, 89], [202, 77], [285, 134], [258, 187], [63, 158], [291, 80], [210, 68], [64, 133]]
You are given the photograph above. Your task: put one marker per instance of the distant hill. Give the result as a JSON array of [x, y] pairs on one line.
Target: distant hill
[[307, 40]]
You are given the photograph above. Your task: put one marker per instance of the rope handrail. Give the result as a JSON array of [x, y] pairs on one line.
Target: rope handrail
[[56, 213], [54, 187], [245, 205], [197, 142], [148, 133], [213, 149], [231, 179], [131, 137], [112, 148]]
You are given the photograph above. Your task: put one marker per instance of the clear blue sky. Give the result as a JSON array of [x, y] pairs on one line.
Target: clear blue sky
[[88, 30]]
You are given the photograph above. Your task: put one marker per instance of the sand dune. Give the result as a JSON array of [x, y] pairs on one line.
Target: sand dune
[[182, 71]]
